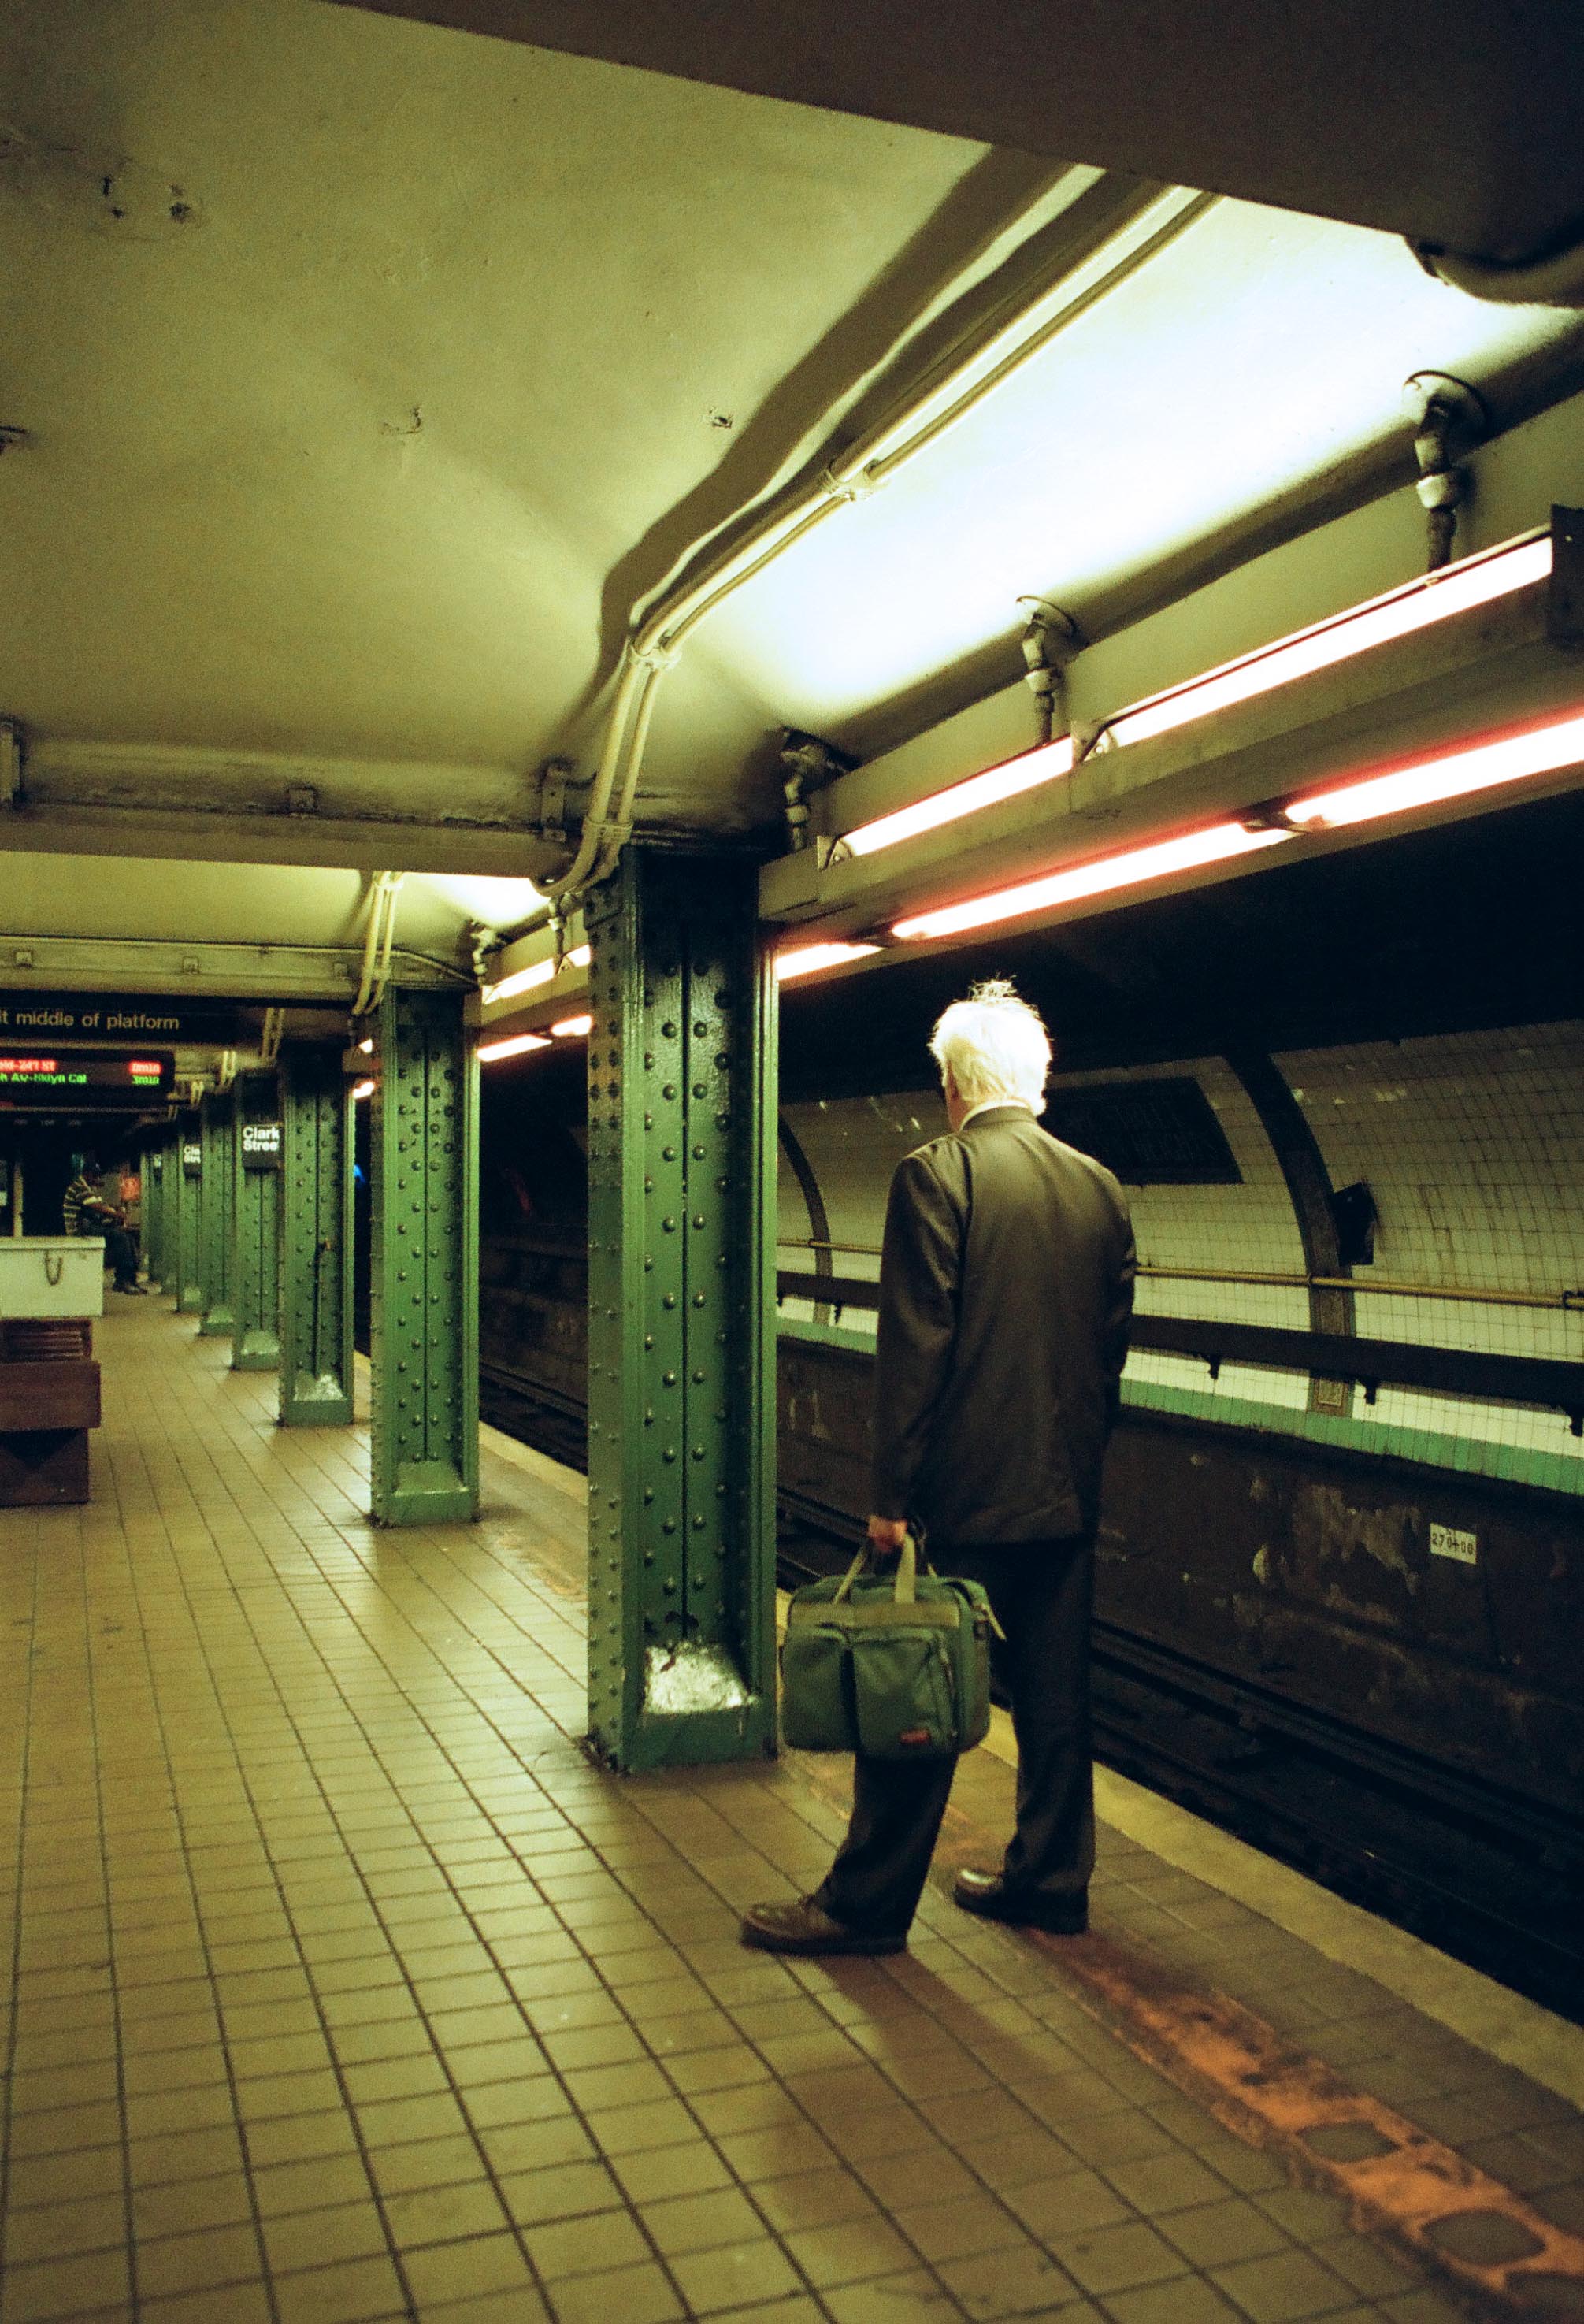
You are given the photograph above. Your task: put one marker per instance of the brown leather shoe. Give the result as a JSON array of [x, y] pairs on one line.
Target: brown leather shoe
[[805, 1927], [988, 1895]]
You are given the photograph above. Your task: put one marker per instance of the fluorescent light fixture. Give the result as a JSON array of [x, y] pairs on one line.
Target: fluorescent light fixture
[[1004, 782], [1450, 774], [513, 1046], [528, 979], [1457, 589], [572, 1028], [1400, 613], [1188, 853], [363, 1089], [806, 960]]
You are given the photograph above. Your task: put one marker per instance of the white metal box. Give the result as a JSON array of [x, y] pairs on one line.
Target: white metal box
[[51, 1275]]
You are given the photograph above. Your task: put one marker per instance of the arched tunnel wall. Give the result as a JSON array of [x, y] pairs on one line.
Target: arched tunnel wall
[[1296, 1077]]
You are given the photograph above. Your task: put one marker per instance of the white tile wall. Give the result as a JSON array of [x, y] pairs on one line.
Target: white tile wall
[[1472, 1144]]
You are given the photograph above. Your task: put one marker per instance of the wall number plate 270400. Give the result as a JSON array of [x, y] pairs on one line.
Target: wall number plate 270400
[[1449, 1540]]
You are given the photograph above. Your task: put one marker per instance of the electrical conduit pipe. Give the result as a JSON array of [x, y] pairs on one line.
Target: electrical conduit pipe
[[922, 419]]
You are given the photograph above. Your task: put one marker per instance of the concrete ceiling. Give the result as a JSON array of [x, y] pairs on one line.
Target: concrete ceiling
[[372, 372], [1456, 126]]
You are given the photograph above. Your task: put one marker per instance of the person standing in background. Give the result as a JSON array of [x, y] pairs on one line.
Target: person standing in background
[[1005, 1295]]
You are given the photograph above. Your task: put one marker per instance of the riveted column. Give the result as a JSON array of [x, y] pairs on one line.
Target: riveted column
[[681, 1154], [151, 1214], [217, 1213], [186, 1197], [316, 1239], [255, 1249], [423, 1463]]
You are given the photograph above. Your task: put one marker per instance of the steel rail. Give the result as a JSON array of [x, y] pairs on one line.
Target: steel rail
[[1569, 1303]]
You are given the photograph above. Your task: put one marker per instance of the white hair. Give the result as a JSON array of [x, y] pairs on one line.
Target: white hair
[[993, 1044]]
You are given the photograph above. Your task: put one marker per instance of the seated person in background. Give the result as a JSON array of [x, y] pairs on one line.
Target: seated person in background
[[85, 1212]]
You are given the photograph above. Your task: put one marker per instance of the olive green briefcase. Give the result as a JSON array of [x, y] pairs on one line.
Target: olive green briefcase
[[896, 1666]]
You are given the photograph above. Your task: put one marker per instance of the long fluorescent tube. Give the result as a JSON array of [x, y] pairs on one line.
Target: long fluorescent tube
[[1400, 613], [997, 783], [528, 979], [806, 959], [1479, 581], [1452, 774], [512, 1047], [1188, 853], [572, 1028]]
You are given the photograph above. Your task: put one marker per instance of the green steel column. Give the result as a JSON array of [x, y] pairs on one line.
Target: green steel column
[[316, 1239], [186, 1226], [681, 1156], [217, 1213], [255, 1250], [170, 1213], [423, 1452], [151, 1214]]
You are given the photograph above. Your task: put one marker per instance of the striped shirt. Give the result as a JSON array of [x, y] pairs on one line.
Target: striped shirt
[[80, 1191]]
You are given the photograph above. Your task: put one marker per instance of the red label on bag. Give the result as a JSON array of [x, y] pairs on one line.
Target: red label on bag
[[915, 1735]]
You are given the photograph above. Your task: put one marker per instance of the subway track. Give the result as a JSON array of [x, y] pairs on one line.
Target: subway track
[[1495, 1879]]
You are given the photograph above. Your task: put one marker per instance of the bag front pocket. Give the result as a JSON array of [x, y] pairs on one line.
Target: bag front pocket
[[903, 1691], [817, 1690]]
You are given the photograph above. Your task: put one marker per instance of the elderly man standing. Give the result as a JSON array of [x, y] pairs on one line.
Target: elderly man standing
[[1006, 1291]]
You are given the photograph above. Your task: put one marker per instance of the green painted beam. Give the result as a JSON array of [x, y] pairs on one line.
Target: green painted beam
[[187, 1199], [423, 1451], [681, 1151], [255, 1249], [152, 1213], [316, 1239], [217, 1213]]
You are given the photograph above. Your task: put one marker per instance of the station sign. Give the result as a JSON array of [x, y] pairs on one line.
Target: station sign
[[260, 1146], [192, 1157], [59, 1079], [37, 1016]]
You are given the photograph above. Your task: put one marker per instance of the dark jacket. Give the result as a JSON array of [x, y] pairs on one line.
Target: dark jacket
[[1005, 1290]]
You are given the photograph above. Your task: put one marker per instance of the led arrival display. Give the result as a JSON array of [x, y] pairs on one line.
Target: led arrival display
[[54, 1078]]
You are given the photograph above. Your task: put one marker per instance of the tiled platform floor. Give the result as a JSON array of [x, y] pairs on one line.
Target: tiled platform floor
[[343, 1987]]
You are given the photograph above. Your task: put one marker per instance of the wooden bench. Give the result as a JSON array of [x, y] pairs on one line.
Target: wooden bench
[[48, 1401]]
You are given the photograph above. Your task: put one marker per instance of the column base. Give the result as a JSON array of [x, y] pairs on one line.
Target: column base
[[310, 1403], [256, 1352], [426, 1493], [217, 1323], [692, 1738]]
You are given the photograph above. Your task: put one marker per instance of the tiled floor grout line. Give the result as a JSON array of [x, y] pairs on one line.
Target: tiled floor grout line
[[92, 1704], [456, 2089], [157, 1712], [346, 1738], [810, 2118], [13, 2028]]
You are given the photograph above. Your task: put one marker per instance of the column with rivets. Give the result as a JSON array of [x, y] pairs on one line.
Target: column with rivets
[[423, 1458], [315, 1237], [217, 1213], [186, 1198], [255, 1250], [151, 1212], [681, 1150]]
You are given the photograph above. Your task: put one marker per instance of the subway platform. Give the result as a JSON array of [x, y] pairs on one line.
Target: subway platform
[[344, 1987]]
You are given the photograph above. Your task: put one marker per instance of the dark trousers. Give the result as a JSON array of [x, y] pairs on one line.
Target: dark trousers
[[121, 1253], [1042, 1592]]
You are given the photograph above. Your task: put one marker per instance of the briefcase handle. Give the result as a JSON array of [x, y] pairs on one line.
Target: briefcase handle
[[907, 1581]]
